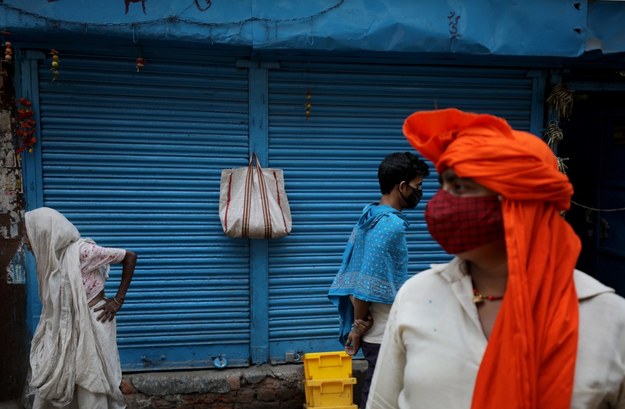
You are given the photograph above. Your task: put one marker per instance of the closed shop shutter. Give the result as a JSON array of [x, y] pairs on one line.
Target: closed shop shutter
[[330, 162], [134, 160]]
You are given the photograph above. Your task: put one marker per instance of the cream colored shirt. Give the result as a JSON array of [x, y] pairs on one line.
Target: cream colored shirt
[[379, 312], [434, 343]]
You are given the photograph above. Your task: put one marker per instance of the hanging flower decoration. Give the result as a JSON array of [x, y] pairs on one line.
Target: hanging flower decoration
[[26, 126], [140, 63], [55, 64], [553, 134], [308, 104], [8, 52], [561, 98]]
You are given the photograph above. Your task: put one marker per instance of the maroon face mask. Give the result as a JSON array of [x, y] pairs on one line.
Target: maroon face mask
[[461, 224]]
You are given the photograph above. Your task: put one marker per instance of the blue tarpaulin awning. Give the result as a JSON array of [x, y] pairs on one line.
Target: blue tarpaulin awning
[[483, 27]]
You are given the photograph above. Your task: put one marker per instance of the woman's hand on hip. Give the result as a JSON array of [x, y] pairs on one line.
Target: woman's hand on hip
[[109, 309]]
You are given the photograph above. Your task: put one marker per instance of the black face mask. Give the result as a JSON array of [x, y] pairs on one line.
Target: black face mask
[[413, 199]]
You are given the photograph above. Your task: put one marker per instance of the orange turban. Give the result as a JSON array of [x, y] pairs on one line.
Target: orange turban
[[530, 359]]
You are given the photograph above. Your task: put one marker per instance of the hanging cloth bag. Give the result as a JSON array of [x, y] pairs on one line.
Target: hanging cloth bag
[[253, 202]]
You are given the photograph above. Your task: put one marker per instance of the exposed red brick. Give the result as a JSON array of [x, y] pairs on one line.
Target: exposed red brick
[[127, 388], [266, 395]]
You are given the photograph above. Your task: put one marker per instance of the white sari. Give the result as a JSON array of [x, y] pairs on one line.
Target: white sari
[[74, 358]]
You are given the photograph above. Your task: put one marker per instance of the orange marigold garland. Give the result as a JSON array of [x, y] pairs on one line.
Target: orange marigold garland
[[140, 63], [308, 103], [8, 52], [8, 47], [54, 66], [26, 126]]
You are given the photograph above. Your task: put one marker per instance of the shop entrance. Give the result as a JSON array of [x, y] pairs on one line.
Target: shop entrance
[[594, 142]]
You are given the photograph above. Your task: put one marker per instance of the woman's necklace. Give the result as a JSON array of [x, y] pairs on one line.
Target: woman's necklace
[[479, 297]]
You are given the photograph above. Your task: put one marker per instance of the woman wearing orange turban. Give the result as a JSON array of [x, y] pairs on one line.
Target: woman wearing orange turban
[[509, 322]]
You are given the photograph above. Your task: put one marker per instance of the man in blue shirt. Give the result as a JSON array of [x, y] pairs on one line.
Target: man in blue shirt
[[375, 261]]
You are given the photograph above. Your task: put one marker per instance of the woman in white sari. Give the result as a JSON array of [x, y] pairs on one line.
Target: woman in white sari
[[74, 358]]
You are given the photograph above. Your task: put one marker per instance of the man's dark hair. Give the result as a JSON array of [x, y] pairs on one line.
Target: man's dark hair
[[398, 167]]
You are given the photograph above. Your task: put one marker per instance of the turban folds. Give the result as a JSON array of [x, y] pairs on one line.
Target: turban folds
[[530, 358]]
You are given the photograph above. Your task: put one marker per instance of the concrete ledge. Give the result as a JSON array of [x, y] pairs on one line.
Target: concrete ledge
[[257, 387], [210, 381]]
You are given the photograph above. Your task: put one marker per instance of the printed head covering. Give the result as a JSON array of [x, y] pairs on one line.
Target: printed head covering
[[530, 358], [374, 265]]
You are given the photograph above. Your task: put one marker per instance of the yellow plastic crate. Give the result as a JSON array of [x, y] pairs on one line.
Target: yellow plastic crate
[[329, 392], [327, 365], [333, 407]]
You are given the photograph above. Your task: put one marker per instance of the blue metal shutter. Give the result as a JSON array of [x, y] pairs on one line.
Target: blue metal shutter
[[330, 162], [134, 160]]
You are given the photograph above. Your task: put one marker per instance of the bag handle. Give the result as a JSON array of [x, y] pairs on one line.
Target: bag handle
[[254, 164], [253, 160]]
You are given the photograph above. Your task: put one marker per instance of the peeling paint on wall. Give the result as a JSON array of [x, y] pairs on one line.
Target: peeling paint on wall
[[10, 180], [11, 213], [14, 330], [16, 273]]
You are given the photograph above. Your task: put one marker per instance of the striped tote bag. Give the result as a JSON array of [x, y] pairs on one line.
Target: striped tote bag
[[253, 203]]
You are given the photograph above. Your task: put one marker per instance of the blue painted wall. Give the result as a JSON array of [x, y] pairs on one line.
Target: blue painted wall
[[560, 28]]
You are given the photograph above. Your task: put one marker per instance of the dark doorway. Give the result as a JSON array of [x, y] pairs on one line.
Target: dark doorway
[[594, 143]]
